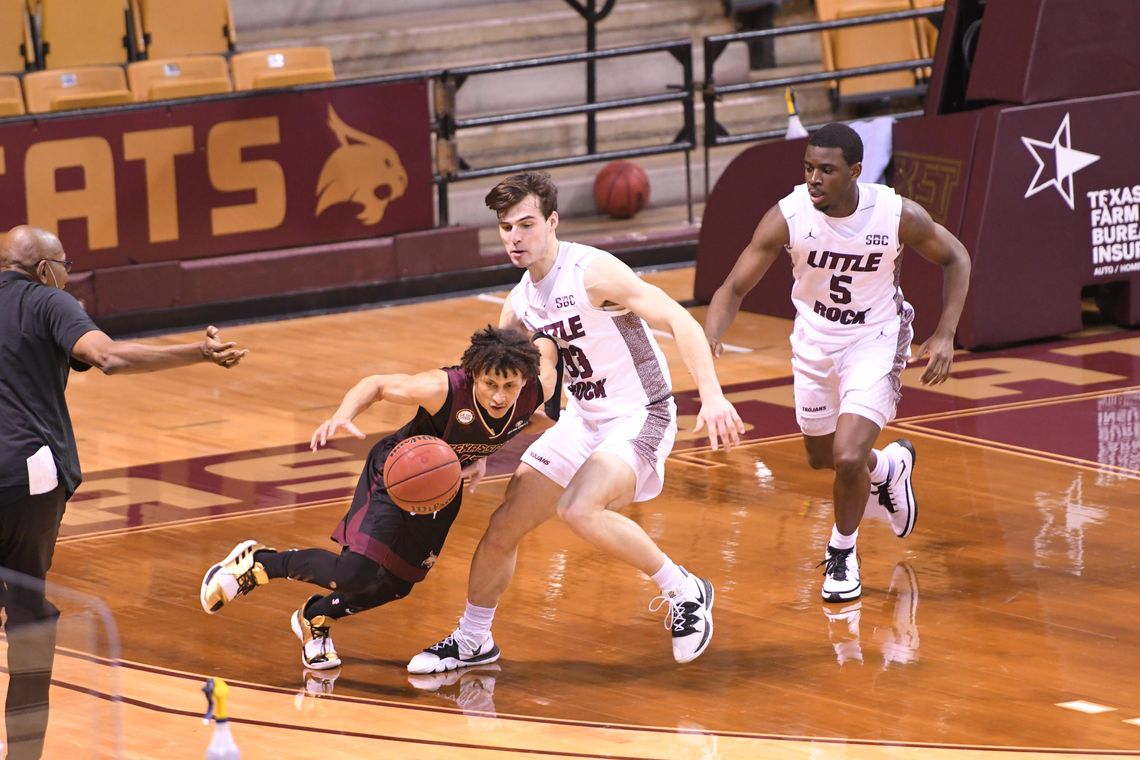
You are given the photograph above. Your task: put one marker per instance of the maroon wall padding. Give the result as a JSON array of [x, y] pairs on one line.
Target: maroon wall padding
[[447, 249], [174, 181], [141, 287], [1034, 51], [932, 166], [947, 60], [1031, 220], [82, 286], [293, 270], [754, 182]]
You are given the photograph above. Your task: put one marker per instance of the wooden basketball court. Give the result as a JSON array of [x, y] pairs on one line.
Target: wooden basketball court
[[1003, 626]]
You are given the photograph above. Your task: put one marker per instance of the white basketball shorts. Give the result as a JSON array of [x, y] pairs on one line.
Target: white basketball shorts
[[861, 378], [642, 439]]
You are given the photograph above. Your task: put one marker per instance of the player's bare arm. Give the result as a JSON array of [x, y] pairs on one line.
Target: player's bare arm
[[427, 389], [610, 282], [508, 317], [935, 244], [769, 239]]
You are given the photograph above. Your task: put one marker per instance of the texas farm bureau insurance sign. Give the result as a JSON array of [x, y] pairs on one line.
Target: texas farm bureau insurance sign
[[1084, 164], [205, 178]]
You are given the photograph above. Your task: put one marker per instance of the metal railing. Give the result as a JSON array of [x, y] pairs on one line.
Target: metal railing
[[714, 45], [451, 167]]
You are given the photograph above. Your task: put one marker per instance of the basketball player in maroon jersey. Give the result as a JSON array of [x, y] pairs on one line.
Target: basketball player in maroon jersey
[[502, 380]]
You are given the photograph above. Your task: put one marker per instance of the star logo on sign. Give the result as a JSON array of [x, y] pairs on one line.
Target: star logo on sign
[[1061, 158]]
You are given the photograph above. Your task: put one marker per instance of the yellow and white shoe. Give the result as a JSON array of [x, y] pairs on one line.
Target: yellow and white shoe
[[317, 650], [234, 576]]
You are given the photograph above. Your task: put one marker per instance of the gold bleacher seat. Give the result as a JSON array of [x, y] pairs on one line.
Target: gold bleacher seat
[[11, 97], [83, 33], [185, 77], [927, 32], [85, 87], [174, 28], [16, 50], [281, 67], [859, 46]]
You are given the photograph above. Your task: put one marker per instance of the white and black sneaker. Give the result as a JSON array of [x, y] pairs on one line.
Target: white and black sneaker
[[896, 495], [453, 652], [689, 616], [841, 575]]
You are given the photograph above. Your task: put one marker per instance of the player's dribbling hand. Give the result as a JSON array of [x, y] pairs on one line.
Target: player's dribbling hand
[[715, 346], [223, 354], [328, 428], [724, 424], [474, 472]]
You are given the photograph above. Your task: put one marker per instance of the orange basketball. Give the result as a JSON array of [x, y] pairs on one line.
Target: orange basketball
[[621, 189], [421, 474]]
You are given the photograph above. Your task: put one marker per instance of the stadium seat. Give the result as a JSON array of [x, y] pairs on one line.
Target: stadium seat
[[11, 97], [174, 28], [927, 32], [281, 67], [17, 52], [83, 33], [186, 77], [86, 87], [868, 45]]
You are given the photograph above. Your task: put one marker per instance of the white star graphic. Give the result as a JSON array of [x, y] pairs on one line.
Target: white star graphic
[[1066, 162]]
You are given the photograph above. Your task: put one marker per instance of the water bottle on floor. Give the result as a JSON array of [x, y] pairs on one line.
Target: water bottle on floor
[[222, 745]]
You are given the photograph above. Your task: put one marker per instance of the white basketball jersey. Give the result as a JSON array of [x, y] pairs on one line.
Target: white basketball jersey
[[846, 283], [612, 361]]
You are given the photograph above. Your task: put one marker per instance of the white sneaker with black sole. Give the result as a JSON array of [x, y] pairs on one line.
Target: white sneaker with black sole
[[896, 494], [689, 616], [841, 575], [453, 652]]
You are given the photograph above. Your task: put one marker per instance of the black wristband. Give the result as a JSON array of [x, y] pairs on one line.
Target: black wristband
[[553, 405], [539, 335]]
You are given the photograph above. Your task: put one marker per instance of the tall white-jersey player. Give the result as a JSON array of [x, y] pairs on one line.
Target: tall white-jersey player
[[852, 331], [609, 446]]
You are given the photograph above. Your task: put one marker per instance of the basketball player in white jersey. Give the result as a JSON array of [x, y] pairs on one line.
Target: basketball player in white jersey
[[852, 331], [609, 446]]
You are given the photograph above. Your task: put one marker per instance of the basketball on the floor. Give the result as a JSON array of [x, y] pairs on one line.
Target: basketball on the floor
[[421, 474], [621, 189]]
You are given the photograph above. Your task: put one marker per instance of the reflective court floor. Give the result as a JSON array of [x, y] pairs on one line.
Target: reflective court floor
[[1003, 626]]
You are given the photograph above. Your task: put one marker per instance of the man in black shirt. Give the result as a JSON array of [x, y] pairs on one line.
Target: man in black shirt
[[44, 332]]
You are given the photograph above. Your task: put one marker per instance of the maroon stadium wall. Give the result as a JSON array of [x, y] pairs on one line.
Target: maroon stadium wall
[[243, 197]]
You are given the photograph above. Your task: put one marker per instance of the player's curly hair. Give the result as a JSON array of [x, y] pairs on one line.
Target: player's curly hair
[[499, 350], [836, 135], [514, 188]]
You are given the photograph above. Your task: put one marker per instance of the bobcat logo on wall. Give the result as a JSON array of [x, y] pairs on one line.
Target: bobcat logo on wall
[[363, 170]]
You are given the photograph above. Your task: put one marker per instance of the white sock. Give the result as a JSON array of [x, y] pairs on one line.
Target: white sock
[[840, 541], [475, 625], [670, 577], [882, 468]]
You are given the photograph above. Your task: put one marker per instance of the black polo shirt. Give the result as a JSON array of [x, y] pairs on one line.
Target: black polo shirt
[[38, 328]]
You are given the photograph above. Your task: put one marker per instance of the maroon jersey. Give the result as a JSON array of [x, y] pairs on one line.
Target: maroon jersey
[[408, 545], [470, 431]]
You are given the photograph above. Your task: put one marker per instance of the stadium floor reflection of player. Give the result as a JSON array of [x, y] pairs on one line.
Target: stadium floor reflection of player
[[500, 384]]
